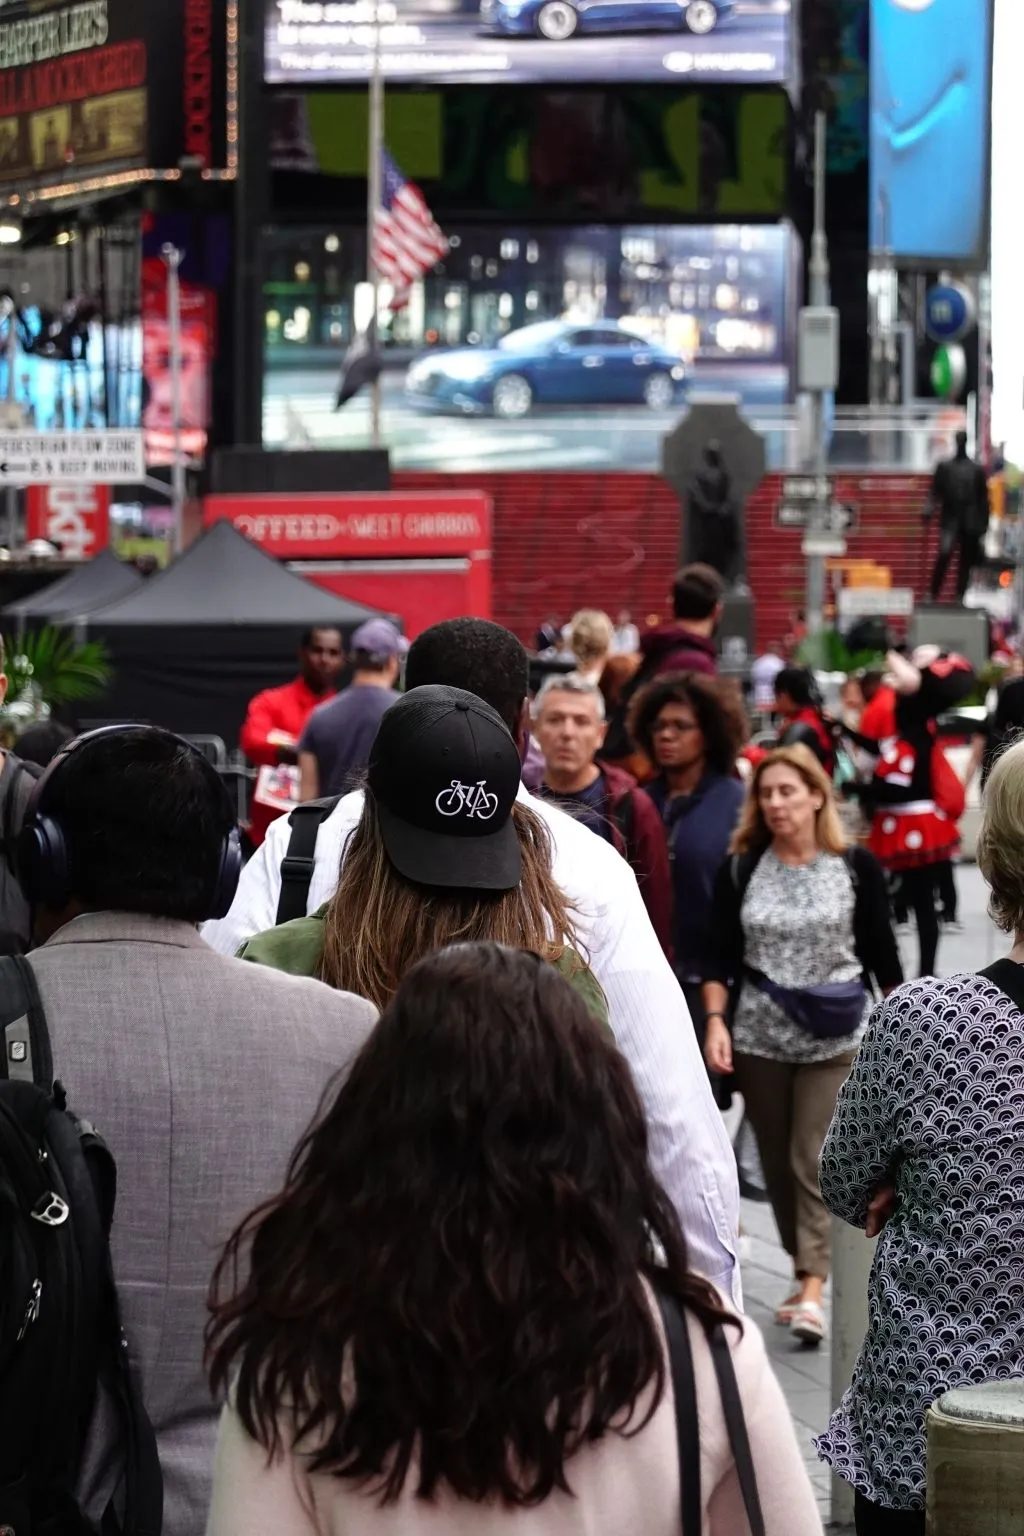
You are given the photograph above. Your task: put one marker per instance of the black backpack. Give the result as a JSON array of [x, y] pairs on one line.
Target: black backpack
[[62, 1348]]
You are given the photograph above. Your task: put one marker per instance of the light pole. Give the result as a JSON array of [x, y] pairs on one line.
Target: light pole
[[818, 376]]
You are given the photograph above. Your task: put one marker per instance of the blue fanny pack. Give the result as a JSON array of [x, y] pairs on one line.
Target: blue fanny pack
[[829, 1012]]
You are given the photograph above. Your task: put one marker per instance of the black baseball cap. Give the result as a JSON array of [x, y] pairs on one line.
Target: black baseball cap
[[444, 773]]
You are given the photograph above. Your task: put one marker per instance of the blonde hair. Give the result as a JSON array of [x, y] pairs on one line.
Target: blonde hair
[[378, 924], [752, 834], [1000, 850], [591, 634]]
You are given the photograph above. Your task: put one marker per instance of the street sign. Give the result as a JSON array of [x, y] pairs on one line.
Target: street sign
[[829, 546], [876, 602], [71, 458], [949, 312], [802, 493]]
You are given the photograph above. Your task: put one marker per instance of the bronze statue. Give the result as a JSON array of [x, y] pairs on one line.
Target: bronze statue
[[714, 521]]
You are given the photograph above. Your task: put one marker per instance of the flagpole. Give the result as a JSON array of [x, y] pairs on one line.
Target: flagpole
[[373, 182]]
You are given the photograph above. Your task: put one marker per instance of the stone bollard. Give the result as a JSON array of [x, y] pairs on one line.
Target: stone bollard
[[976, 1461]]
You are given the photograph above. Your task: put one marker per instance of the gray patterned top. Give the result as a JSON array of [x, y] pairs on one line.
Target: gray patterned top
[[798, 929], [935, 1101]]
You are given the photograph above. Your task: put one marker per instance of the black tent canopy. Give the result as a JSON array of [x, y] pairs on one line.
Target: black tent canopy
[[93, 585], [192, 645]]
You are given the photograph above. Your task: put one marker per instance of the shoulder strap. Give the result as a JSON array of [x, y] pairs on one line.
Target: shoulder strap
[[1009, 978], [741, 867], [299, 862], [850, 860], [684, 1390], [736, 1424], [26, 1055]]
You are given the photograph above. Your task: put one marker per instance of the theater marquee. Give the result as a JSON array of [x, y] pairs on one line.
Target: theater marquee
[[111, 85]]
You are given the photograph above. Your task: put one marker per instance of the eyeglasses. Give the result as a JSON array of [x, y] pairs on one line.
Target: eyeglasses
[[674, 727]]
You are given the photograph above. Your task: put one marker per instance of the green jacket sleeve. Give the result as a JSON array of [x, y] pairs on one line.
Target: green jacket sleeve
[[295, 948], [571, 966]]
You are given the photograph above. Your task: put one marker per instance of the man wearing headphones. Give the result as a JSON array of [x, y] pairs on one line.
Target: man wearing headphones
[[200, 1072]]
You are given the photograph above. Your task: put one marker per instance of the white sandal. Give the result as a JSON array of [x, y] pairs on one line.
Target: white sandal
[[785, 1312], [808, 1323]]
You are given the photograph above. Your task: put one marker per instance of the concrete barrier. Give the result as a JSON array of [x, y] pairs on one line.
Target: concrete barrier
[[976, 1461]]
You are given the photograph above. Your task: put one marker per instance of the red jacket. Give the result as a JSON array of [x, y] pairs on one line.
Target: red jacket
[[674, 648], [645, 849], [276, 709]]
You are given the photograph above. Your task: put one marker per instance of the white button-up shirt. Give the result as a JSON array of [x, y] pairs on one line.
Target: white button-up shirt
[[690, 1151]]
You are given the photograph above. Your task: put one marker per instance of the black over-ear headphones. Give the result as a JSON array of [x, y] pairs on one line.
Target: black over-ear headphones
[[43, 857]]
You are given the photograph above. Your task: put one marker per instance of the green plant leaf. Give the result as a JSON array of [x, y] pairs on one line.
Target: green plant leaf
[[50, 667]]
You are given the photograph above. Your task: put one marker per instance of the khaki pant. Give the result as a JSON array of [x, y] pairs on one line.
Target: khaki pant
[[790, 1108]]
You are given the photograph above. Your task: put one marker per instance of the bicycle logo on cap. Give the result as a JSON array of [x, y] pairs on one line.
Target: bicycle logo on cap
[[467, 800]]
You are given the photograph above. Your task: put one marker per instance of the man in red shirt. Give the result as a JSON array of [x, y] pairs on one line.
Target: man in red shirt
[[878, 718], [277, 718]]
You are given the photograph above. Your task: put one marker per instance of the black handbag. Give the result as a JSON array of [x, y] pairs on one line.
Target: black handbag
[[688, 1424]]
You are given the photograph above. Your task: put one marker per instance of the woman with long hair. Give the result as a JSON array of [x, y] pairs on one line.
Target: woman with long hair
[[448, 1319], [443, 854], [802, 931], [693, 728], [927, 1147]]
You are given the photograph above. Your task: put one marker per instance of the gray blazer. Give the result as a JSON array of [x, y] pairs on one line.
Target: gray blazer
[[201, 1073]]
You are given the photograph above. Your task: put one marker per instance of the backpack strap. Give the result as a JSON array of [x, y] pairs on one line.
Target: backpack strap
[[1008, 976], [299, 862], [736, 1424], [684, 1390], [26, 1053]]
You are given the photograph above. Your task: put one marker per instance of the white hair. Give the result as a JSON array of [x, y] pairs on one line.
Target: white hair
[[569, 682]]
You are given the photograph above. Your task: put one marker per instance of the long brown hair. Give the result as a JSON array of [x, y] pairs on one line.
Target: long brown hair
[[449, 1291], [379, 924], [752, 834]]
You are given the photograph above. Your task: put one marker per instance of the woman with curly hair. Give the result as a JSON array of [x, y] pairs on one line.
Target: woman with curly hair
[[692, 728], [452, 1317]]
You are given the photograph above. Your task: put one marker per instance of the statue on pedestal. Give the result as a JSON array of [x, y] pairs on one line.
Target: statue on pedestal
[[714, 517]]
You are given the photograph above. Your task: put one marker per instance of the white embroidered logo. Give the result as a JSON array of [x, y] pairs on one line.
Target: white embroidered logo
[[467, 800]]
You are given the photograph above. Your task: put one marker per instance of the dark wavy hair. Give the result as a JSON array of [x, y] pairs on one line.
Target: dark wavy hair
[[717, 705], [450, 1287]]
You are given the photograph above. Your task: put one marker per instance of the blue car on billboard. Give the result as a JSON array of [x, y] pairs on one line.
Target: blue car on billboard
[[558, 20], [551, 363]]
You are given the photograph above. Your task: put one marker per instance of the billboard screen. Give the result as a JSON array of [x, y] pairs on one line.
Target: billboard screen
[[483, 41], [534, 346], [643, 152], [110, 85], [931, 69]]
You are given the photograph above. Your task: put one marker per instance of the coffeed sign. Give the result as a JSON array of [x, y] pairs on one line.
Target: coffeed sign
[[110, 83]]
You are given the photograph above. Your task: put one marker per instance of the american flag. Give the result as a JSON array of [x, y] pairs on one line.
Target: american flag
[[406, 240]]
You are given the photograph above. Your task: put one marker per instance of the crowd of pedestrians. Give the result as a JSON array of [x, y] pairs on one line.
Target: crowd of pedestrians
[[424, 1191]]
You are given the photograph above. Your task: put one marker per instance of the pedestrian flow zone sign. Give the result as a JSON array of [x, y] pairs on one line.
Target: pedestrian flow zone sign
[[71, 458]]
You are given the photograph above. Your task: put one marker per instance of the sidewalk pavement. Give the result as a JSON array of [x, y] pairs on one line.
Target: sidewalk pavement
[[767, 1272]]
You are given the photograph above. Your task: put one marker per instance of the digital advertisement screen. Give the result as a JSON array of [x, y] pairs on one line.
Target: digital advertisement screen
[[110, 85], [483, 41], [931, 78], [534, 347], [639, 153]]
